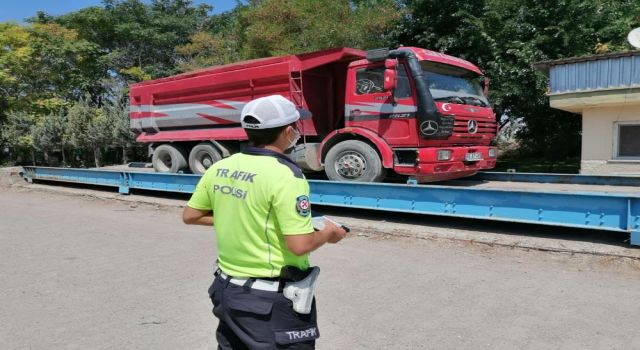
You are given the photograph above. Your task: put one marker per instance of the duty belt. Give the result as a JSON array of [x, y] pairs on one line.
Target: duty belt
[[256, 283]]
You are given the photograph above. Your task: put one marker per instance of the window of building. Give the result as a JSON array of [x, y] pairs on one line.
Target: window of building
[[371, 81], [627, 140]]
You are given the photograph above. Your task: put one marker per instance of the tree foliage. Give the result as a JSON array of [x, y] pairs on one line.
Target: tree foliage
[[16, 133], [44, 65], [50, 135], [63, 79], [89, 127], [505, 37], [205, 49], [284, 27], [139, 40], [281, 27], [117, 111], [16, 130]]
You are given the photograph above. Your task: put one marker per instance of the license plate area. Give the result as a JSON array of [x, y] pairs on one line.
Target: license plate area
[[473, 157]]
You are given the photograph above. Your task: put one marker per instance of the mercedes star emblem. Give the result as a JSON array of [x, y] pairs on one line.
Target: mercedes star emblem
[[472, 126], [429, 127]]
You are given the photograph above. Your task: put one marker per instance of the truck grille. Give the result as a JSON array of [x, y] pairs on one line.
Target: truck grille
[[485, 126]]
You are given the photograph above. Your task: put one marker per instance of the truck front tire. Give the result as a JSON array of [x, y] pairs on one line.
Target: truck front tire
[[168, 159], [202, 156], [355, 161]]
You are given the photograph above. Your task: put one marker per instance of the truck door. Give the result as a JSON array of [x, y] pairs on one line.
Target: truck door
[[369, 106]]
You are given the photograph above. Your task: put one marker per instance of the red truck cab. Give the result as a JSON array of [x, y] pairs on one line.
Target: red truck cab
[[409, 111], [452, 140]]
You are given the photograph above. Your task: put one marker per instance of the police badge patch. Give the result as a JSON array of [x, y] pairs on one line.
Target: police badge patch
[[303, 206]]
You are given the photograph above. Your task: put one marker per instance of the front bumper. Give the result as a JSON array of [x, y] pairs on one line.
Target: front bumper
[[428, 168]]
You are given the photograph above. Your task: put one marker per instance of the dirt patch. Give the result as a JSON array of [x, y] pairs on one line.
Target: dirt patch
[[10, 176]]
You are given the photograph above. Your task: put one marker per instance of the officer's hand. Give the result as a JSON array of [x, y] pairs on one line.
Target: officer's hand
[[337, 233]]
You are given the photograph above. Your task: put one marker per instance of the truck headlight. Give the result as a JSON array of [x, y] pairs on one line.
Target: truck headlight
[[493, 152], [444, 154]]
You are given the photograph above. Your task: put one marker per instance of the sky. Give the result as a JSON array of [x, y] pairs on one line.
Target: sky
[[18, 10]]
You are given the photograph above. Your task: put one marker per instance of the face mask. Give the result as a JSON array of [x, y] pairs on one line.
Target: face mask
[[292, 143]]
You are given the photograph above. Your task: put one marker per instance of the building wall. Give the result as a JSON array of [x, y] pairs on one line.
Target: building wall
[[598, 140]]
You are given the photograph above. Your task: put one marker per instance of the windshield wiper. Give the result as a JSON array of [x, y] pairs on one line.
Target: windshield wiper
[[478, 102], [453, 99]]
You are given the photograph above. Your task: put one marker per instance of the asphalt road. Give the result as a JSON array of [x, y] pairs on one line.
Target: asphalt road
[[85, 273]]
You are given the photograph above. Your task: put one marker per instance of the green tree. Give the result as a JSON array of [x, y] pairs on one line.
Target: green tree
[[282, 27], [16, 134], [53, 61], [49, 135], [89, 127], [506, 37], [63, 64], [204, 50], [217, 43], [117, 111], [138, 40], [43, 66], [15, 57]]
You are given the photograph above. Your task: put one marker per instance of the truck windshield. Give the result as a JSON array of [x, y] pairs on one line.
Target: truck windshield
[[453, 84]]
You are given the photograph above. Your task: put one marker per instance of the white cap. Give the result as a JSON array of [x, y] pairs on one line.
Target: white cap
[[270, 112]]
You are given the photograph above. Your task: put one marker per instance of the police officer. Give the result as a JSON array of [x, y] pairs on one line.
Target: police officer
[[258, 201]]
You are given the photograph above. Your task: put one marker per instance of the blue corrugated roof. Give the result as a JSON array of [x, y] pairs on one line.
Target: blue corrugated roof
[[593, 73]]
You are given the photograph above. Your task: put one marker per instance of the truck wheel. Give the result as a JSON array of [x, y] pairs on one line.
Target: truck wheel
[[354, 160], [168, 159], [202, 156]]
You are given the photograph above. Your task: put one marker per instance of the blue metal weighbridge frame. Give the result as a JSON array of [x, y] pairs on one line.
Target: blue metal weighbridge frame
[[589, 210]]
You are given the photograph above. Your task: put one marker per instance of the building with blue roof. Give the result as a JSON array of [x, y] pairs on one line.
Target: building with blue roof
[[605, 90]]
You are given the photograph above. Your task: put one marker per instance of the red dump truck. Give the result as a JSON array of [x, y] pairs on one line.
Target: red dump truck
[[409, 111]]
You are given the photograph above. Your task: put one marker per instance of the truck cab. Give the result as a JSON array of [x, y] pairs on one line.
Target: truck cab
[[430, 111]]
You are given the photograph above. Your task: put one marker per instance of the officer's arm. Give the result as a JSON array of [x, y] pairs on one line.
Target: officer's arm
[[199, 209], [293, 211], [304, 244], [192, 216]]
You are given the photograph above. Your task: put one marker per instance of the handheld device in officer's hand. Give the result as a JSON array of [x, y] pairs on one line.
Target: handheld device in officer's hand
[[301, 292], [318, 223]]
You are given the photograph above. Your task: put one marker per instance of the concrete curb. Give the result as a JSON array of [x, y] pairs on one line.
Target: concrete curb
[[524, 244]]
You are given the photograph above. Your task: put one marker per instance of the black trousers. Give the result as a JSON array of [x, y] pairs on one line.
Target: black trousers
[[255, 319]]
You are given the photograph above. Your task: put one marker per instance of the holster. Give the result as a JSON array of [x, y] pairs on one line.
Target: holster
[[299, 287]]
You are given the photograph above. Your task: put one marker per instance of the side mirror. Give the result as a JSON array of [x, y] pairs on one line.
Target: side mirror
[[390, 75], [486, 87]]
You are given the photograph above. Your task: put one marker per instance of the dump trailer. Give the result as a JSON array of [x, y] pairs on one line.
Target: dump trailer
[[409, 111]]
